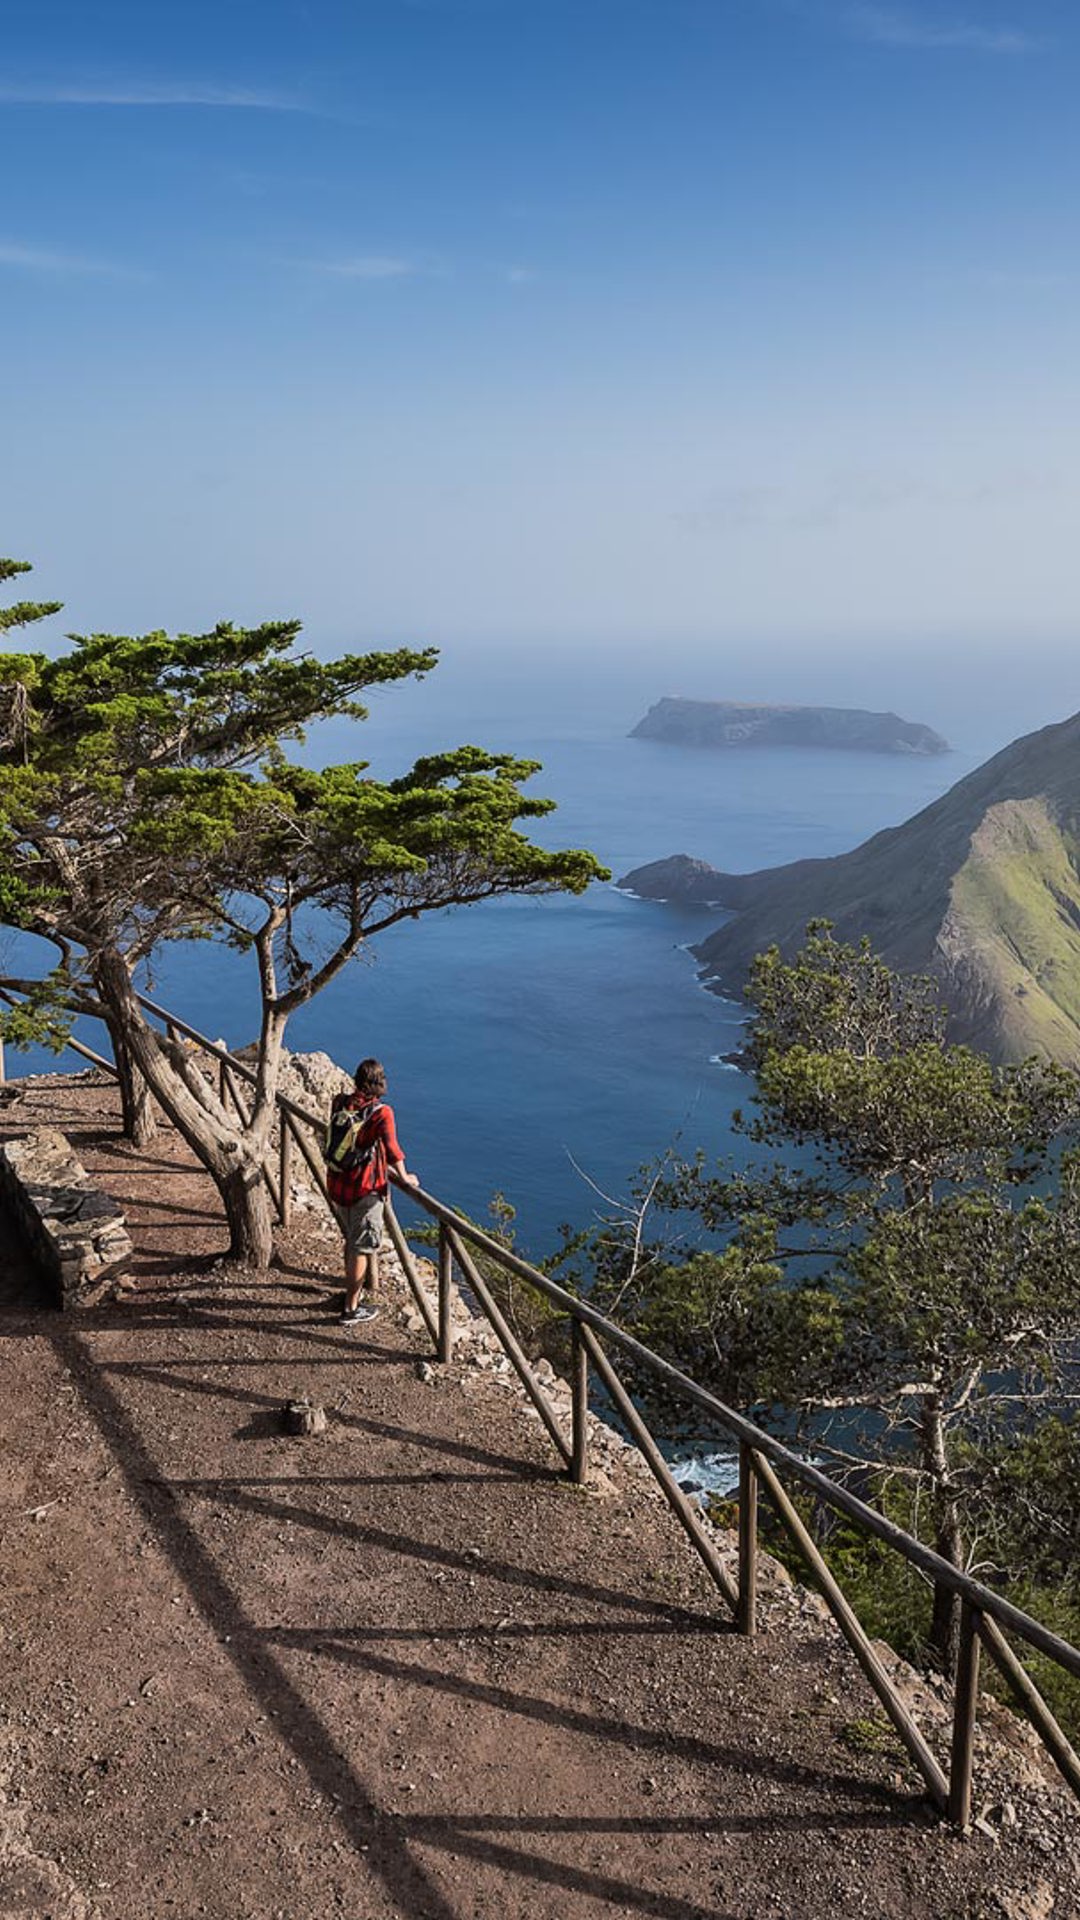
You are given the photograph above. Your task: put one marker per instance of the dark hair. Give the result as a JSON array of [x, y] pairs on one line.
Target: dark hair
[[370, 1077]]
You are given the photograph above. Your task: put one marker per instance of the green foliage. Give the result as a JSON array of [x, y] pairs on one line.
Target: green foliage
[[41, 1018], [850, 1058], [873, 1734], [889, 1287], [145, 794], [727, 1316], [842, 999], [24, 612], [1058, 1607], [891, 1599], [1026, 1536], [905, 1252], [1030, 1540]]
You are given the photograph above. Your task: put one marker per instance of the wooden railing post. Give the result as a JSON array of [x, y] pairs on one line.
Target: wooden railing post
[[965, 1701], [579, 1393], [857, 1640], [686, 1514], [312, 1161], [511, 1346], [285, 1160], [446, 1290], [408, 1268], [746, 1612], [1028, 1696]]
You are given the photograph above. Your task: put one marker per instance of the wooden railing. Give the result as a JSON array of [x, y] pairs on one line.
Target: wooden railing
[[986, 1617]]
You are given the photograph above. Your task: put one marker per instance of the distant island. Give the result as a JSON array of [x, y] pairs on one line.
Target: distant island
[[728, 723], [981, 890]]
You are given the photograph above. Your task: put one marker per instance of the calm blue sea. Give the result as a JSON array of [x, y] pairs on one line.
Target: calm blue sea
[[547, 1048]]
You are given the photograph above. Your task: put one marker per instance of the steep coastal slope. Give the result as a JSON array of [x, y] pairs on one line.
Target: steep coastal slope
[[728, 723], [981, 890]]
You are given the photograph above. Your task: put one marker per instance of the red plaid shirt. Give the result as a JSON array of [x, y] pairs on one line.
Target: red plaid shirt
[[345, 1188]]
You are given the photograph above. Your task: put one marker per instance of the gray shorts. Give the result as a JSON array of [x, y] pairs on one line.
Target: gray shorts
[[362, 1224]]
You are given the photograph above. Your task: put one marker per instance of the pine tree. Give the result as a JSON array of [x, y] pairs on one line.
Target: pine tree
[[146, 796]]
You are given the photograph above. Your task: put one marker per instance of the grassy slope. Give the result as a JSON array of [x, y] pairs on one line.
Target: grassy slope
[[981, 889], [1012, 933]]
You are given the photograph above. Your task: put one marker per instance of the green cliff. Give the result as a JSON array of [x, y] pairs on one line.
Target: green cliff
[[980, 890]]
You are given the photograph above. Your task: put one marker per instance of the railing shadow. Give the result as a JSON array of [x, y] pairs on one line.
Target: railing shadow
[[392, 1843], [330, 1769]]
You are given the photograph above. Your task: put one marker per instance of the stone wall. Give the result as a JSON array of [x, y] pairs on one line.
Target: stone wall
[[74, 1233]]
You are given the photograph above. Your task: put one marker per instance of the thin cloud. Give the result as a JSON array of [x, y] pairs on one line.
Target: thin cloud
[[149, 94], [896, 27], [1019, 280], [368, 266], [32, 259], [856, 494]]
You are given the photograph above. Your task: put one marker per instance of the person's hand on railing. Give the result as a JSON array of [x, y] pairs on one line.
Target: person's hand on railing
[[407, 1179]]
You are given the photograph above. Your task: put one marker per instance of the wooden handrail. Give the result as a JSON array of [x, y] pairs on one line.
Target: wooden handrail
[[765, 1443]]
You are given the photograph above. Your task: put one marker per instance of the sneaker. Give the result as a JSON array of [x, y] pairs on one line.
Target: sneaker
[[355, 1316]]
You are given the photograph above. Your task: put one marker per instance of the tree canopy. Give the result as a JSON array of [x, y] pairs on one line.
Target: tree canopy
[[900, 1279], [146, 794]]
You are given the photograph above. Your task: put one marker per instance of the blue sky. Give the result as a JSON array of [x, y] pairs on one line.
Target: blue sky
[[603, 321]]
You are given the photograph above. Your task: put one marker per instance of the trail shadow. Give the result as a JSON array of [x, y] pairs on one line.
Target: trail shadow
[[136, 1162], [171, 1208], [471, 1838], [329, 1768], [601, 1727], [314, 1328], [314, 1275], [392, 1844], [162, 1374], [158, 1260], [436, 1553], [626, 1896], [446, 1823]]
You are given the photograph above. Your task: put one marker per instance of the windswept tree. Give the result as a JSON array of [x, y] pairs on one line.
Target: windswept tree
[[146, 796], [901, 1277]]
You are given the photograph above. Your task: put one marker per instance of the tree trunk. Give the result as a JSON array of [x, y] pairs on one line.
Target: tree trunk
[[136, 1100], [948, 1537], [945, 1619], [247, 1209], [229, 1151]]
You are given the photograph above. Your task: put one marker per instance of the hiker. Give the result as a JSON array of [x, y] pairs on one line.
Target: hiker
[[361, 1141]]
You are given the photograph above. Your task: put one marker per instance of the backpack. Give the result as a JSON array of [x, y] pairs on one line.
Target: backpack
[[345, 1150]]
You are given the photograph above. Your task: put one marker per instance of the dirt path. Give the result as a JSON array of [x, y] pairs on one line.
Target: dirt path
[[401, 1668]]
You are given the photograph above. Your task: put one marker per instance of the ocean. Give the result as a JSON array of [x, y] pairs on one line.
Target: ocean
[[547, 1048]]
